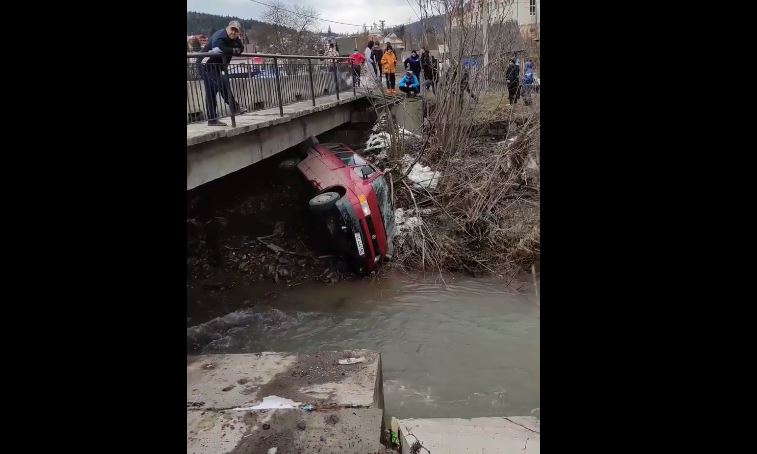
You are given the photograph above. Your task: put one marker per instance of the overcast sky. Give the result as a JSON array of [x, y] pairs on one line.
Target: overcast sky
[[349, 11]]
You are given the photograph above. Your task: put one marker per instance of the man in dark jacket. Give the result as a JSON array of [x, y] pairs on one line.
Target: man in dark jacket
[[376, 57], [413, 63], [512, 78], [426, 67], [224, 43]]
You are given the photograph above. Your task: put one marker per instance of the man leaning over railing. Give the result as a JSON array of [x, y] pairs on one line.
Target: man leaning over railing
[[225, 43]]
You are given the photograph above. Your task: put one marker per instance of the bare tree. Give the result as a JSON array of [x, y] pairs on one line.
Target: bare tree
[[293, 31]]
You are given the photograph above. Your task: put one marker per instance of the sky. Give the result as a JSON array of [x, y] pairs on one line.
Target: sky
[[349, 11]]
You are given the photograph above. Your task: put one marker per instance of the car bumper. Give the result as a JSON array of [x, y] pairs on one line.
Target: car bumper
[[358, 249]]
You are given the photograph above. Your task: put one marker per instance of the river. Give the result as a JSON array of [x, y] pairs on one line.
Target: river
[[467, 348]]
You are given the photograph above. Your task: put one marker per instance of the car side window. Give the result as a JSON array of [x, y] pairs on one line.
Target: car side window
[[347, 157], [364, 171]]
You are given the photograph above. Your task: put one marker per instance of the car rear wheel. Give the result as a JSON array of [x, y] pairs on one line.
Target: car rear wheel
[[324, 201]]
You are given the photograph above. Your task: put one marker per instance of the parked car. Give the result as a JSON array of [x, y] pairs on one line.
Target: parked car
[[350, 197]]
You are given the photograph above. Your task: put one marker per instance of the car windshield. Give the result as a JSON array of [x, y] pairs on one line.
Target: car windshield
[[351, 159], [385, 206]]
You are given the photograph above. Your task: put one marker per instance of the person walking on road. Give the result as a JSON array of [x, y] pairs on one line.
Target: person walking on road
[[389, 67], [224, 43]]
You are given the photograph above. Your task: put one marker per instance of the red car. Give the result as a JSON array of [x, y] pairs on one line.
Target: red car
[[352, 198]]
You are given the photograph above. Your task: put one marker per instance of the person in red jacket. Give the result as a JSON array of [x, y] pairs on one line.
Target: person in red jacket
[[356, 59]]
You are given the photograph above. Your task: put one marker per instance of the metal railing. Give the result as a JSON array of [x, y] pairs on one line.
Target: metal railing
[[217, 90]]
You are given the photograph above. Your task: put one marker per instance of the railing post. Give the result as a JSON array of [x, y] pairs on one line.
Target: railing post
[[230, 95], [278, 86], [354, 78], [310, 73], [336, 81]]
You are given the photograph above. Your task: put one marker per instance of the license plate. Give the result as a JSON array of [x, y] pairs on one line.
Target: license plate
[[359, 241]]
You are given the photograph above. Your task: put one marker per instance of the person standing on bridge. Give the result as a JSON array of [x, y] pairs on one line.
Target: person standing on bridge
[[331, 62], [356, 59], [376, 57], [367, 54], [224, 43], [413, 63], [389, 67]]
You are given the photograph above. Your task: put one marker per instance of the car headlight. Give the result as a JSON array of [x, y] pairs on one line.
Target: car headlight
[[364, 205]]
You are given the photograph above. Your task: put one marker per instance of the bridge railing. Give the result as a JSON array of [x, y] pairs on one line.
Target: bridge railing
[[253, 82]]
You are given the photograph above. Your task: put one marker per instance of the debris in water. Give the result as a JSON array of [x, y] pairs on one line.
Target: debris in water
[[308, 407], [272, 450]]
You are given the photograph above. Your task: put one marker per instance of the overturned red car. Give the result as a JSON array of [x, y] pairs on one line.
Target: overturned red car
[[351, 197]]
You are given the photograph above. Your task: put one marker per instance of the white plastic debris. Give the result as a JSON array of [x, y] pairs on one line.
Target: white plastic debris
[[405, 132], [272, 403], [508, 142], [421, 176], [273, 450], [352, 360], [405, 223]]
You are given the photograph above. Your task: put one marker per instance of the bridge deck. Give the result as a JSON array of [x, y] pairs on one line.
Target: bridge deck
[[201, 132]]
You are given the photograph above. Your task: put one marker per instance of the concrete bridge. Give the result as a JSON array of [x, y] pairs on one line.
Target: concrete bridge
[[298, 111], [214, 151]]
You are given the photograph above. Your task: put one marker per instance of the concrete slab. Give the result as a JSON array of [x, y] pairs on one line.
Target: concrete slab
[[231, 397], [337, 431], [245, 380], [511, 435]]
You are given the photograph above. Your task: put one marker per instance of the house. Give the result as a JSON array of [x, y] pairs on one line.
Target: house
[[396, 43], [526, 13]]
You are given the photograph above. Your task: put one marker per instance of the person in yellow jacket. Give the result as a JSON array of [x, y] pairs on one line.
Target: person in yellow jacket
[[388, 67]]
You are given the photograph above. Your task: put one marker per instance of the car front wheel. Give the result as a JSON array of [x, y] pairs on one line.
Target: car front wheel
[[324, 202]]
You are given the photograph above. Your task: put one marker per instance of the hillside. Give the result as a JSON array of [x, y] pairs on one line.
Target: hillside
[[209, 23]]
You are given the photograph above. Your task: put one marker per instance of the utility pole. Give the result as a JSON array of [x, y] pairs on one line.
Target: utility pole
[[485, 11]]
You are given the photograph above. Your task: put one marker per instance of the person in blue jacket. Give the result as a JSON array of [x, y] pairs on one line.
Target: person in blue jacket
[[409, 84], [527, 83], [224, 43]]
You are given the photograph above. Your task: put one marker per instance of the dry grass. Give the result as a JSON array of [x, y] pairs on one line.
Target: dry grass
[[483, 216]]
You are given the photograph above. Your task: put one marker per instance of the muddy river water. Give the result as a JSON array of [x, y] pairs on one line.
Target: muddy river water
[[465, 349]]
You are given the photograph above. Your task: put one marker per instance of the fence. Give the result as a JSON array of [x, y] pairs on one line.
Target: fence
[[216, 90]]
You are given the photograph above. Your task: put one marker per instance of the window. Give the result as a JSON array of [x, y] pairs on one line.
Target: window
[[364, 171], [333, 147], [348, 158], [532, 7]]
